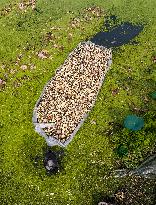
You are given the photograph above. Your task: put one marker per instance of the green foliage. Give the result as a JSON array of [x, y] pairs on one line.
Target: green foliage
[[91, 155], [139, 144]]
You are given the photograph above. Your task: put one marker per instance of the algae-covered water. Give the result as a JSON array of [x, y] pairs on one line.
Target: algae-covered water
[[55, 28]]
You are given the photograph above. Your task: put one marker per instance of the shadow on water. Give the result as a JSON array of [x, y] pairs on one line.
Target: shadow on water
[[118, 35]]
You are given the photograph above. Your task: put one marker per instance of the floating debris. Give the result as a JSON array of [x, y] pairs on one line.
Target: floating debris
[[13, 71], [43, 54], [18, 59], [32, 3], [32, 66], [6, 10], [3, 66], [2, 83], [115, 91], [24, 67], [61, 48], [93, 122], [21, 6], [55, 28], [25, 5], [75, 23], [120, 195], [55, 46], [49, 36], [95, 10], [17, 83]]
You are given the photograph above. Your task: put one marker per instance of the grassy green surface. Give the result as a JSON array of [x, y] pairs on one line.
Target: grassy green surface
[[90, 157]]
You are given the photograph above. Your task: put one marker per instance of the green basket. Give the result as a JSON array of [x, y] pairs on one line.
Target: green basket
[[133, 122]]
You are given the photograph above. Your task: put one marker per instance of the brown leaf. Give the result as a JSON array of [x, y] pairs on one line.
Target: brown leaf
[[24, 67], [43, 54], [115, 91]]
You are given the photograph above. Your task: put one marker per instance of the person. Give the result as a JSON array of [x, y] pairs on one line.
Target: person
[[51, 163]]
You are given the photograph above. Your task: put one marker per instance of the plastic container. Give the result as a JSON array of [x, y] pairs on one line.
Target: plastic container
[[51, 141]]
